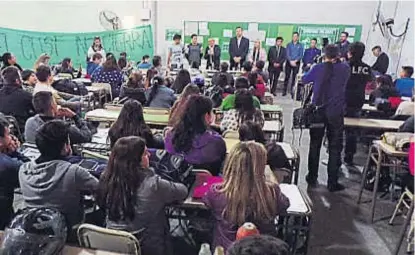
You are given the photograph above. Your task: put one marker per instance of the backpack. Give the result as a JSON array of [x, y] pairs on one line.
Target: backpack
[[70, 87], [215, 94]]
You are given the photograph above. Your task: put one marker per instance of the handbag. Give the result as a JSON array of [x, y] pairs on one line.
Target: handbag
[[171, 167]]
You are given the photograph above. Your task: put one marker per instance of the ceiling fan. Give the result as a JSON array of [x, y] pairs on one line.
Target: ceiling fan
[[109, 20]]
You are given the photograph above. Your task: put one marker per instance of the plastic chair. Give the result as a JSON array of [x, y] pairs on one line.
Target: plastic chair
[[94, 237], [230, 134], [106, 87]]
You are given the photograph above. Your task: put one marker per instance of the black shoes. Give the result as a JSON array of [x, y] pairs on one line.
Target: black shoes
[[312, 182], [335, 187], [348, 160]]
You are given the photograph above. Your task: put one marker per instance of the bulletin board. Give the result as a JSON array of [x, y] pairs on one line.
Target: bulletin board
[[222, 32]]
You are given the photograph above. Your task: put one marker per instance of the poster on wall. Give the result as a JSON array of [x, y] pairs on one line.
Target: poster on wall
[[307, 33], [171, 32], [27, 46]]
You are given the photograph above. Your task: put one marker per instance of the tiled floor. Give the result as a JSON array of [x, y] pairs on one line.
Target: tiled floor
[[339, 226]]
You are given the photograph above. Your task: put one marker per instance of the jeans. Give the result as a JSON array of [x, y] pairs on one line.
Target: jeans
[[274, 75], [290, 71], [334, 128], [351, 135]]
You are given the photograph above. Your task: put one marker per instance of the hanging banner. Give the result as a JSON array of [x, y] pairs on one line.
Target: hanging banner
[[27, 46]]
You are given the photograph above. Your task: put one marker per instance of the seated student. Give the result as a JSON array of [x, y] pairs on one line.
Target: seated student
[[406, 108], [125, 67], [259, 69], [67, 67], [29, 80], [144, 64], [45, 79], [251, 131], [216, 93], [50, 181], [178, 107], [232, 205], [182, 79], [110, 73], [131, 122], [134, 198], [384, 89], [95, 64], [223, 70], [222, 82], [244, 111], [405, 84], [408, 125], [10, 162], [278, 162], [229, 101], [257, 85], [259, 245], [47, 110], [158, 95], [43, 59], [134, 88], [169, 81], [191, 136], [161, 70], [14, 100], [9, 59]]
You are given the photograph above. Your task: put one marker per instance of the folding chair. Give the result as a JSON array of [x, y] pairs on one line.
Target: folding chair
[[94, 237]]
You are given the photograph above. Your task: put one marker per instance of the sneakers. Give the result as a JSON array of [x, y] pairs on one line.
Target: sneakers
[[335, 187], [312, 182]]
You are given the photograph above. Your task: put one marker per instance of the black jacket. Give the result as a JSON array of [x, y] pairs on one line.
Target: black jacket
[[241, 51], [229, 77], [138, 94], [215, 57], [276, 57], [16, 65], [384, 93], [361, 74], [382, 63], [15, 101]]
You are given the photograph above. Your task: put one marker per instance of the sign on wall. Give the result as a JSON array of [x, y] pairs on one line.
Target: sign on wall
[[28, 45]]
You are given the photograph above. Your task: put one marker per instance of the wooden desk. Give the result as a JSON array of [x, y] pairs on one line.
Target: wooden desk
[[271, 108], [376, 124], [104, 115], [72, 250], [272, 126]]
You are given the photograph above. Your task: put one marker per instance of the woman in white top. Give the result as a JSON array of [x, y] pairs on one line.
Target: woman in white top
[[96, 47], [257, 53]]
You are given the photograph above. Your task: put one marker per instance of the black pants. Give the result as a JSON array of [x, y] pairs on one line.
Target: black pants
[[234, 65], [334, 128], [351, 134], [274, 75], [290, 72]]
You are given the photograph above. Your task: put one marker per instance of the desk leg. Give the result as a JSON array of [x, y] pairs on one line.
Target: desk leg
[[364, 174], [375, 187], [404, 227]]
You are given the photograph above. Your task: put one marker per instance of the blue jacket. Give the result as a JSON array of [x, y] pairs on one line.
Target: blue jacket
[[405, 86], [333, 97], [295, 51], [310, 54], [164, 98], [91, 67], [144, 66]]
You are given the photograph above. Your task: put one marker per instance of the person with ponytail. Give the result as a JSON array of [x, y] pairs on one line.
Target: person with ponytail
[[158, 95], [329, 84], [9, 59], [191, 136]]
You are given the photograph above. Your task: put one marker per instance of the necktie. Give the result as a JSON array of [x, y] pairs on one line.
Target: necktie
[[278, 51]]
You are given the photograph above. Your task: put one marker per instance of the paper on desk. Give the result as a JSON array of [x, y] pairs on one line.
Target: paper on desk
[[297, 203]]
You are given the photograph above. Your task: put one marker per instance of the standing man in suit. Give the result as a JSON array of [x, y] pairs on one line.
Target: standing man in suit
[[344, 46], [212, 55], [295, 52], [310, 54], [238, 49], [276, 58], [382, 62]]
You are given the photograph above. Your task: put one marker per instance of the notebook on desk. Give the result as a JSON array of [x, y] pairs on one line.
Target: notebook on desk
[[297, 202]]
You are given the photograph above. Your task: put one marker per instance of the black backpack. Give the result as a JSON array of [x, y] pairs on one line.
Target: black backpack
[[215, 94], [70, 87]]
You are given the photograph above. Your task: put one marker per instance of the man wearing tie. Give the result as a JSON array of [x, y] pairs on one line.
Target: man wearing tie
[[276, 58], [212, 55], [238, 49]]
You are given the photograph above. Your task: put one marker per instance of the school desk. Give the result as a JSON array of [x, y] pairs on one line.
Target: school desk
[[374, 124]]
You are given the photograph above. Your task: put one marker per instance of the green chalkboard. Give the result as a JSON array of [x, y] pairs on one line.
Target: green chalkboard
[[28, 45], [272, 30]]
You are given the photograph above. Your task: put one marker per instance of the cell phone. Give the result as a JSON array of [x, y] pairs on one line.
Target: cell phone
[[87, 164]]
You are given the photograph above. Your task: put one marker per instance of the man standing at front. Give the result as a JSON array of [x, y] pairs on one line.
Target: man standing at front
[[294, 55], [276, 58], [343, 46], [238, 49], [310, 54]]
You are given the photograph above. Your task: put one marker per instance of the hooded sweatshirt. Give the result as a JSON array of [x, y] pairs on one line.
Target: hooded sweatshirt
[[56, 184], [15, 101]]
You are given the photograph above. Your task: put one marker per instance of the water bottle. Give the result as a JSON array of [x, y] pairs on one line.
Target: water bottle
[[219, 251], [205, 249]]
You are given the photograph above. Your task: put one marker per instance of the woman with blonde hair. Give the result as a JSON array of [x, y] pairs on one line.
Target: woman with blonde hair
[[257, 53], [245, 195], [43, 59]]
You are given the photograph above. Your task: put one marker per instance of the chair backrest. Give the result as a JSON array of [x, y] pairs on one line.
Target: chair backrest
[[64, 76], [94, 237], [104, 86], [94, 155], [230, 134]]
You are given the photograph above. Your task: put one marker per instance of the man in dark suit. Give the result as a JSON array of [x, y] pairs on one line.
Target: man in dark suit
[[212, 55], [343, 45], [382, 62], [238, 49], [276, 57]]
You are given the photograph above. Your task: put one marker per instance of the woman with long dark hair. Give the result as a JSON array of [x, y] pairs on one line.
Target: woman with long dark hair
[[158, 95], [110, 73], [134, 198], [182, 79], [244, 111], [67, 67], [134, 89], [191, 136], [96, 47], [131, 122], [177, 108], [9, 59], [329, 84]]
